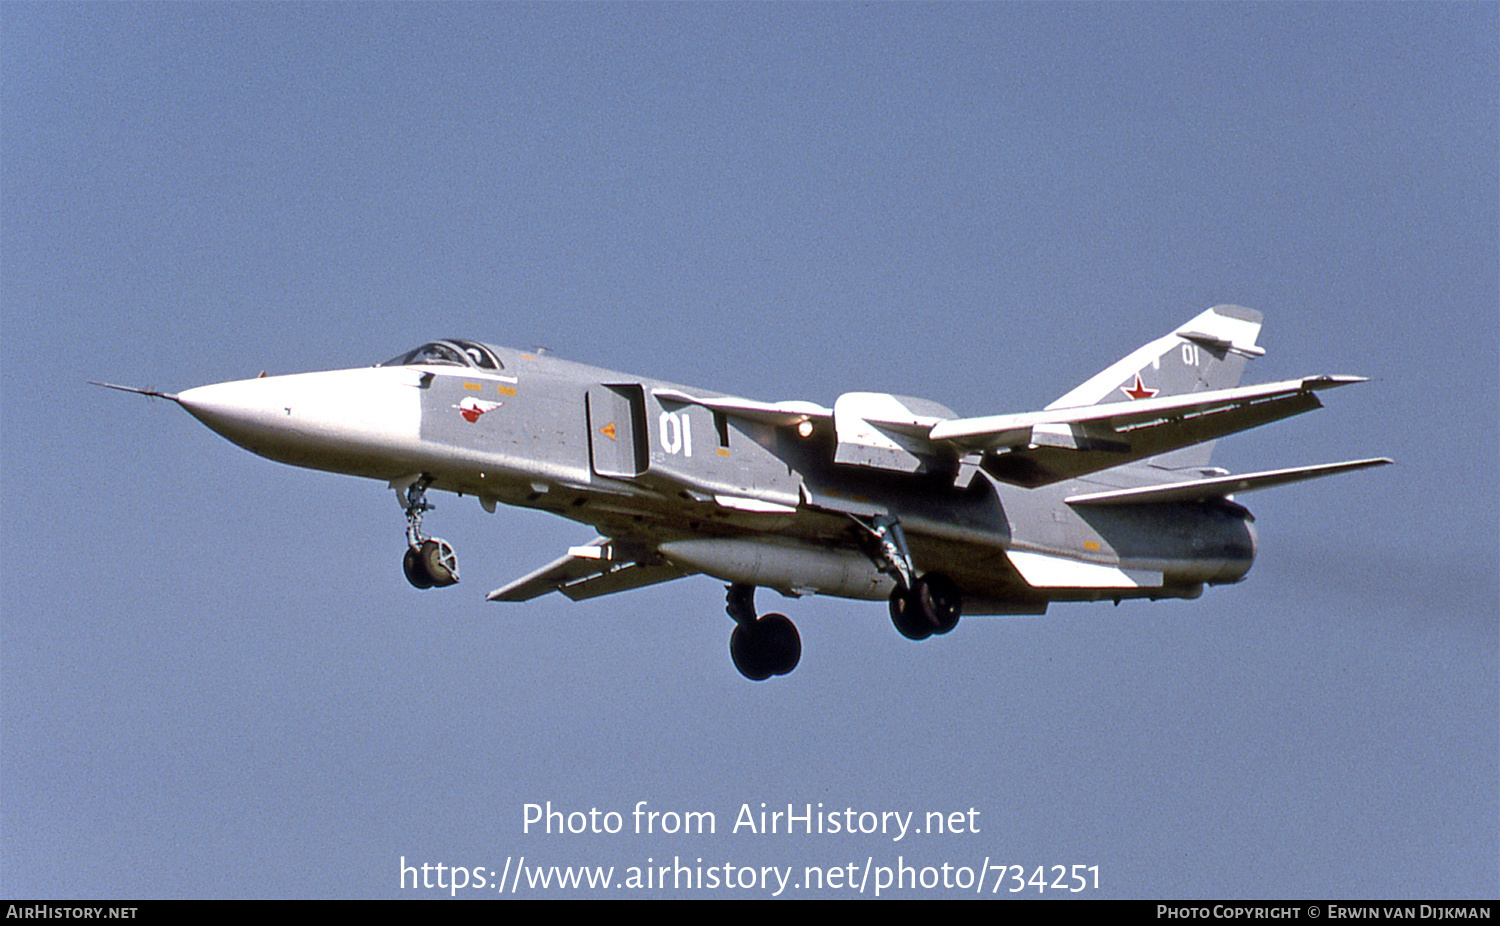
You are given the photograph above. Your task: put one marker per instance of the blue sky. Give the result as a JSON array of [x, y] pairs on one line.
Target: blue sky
[[217, 683]]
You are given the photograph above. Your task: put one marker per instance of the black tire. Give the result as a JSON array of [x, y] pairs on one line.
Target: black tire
[[906, 614], [748, 655], [780, 642], [416, 573], [939, 601]]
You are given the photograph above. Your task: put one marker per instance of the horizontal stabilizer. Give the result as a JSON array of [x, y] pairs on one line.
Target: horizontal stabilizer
[[598, 568], [1220, 486], [1043, 571]]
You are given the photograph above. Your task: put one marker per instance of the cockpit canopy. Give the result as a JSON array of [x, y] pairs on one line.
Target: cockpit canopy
[[451, 352]]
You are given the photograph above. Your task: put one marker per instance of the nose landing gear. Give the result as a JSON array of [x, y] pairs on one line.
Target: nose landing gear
[[429, 561]]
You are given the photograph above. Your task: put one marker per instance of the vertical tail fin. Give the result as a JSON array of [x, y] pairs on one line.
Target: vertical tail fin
[[1208, 352]]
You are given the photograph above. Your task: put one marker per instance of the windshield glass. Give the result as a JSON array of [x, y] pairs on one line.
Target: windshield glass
[[479, 355], [433, 352], [448, 353]]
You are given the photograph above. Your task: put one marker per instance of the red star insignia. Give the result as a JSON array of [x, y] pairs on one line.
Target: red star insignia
[[1139, 390]]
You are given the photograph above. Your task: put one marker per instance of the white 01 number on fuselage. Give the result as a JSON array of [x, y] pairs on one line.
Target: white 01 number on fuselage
[[676, 432]]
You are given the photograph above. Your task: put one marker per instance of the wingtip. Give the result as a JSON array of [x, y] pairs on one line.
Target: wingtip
[[1338, 379], [1368, 463]]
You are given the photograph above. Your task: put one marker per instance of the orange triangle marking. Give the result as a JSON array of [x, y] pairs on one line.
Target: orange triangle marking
[[608, 430]]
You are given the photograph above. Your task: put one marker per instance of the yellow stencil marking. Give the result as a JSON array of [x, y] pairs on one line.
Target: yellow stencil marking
[[474, 387], [723, 451], [506, 390], [1091, 545]]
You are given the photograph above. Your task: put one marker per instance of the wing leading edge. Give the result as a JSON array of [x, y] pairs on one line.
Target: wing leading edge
[[1038, 448], [600, 567]]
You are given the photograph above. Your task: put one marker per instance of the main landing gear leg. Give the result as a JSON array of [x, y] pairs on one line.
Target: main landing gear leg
[[429, 561], [920, 605], [760, 646]]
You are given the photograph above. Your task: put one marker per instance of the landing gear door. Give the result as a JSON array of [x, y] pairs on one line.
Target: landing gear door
[[617, 430]]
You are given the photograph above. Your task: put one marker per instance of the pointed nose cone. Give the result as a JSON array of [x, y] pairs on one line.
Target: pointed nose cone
[[364, 422], [245, 412]]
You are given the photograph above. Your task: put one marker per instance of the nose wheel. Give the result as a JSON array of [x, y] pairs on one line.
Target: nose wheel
[[429, 562]]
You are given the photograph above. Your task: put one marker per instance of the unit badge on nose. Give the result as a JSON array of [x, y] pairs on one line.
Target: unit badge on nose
[[473, 409]]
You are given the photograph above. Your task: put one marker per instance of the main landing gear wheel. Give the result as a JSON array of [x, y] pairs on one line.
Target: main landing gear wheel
[[920, 607], [765, 647], [932, 605], [760, 646]]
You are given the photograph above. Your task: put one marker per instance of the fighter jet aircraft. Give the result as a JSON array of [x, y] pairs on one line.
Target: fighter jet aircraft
[[1105, 494]]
